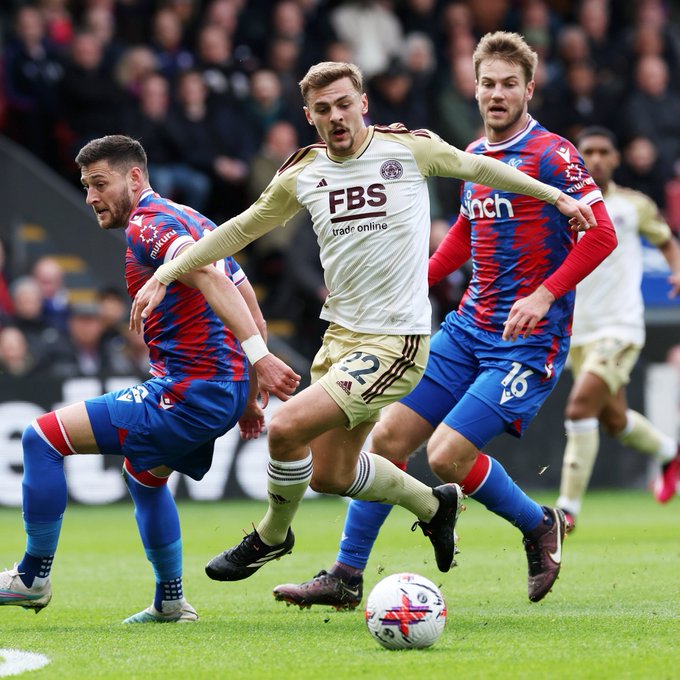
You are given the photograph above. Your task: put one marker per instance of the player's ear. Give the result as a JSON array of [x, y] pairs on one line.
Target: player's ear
[[307, 115], [364, 104], [531, 86]]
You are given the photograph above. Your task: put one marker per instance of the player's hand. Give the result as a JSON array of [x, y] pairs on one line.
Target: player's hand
[[276, 377], [251, 423], [148, 297], [580, 214], [526, 313]]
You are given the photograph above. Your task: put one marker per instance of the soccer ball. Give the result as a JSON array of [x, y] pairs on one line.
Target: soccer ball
[[405, 611]]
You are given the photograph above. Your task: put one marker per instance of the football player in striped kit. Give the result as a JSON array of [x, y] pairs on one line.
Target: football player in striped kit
[[200, 386]]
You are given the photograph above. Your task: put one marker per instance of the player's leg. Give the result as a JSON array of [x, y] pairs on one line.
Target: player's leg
[[46, 441], [632, 429], [157, 521], [398, 433], [159, 528], [586, 402], [359, 374], [292, 428], [453, 456]]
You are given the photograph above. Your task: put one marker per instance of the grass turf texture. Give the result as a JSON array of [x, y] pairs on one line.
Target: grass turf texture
[[614, 613]]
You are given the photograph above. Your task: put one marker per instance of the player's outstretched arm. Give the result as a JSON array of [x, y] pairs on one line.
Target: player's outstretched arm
[[273, 375]]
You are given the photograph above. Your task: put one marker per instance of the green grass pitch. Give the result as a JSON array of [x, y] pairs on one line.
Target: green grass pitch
[[614, 613]]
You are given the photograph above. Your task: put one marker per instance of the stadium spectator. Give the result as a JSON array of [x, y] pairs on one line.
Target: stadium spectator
[[167, 42], [91, 98], [371, 269], [456, 111], [59, 27], [393, 98], [49, 275], [133, 67], [16, 360], [101, 22], [418, 16], [46, 342], [269, 252], [372, 32], [609, 333], [207, 127], [31, 73], [653, 108], [83, 354], [496, 359], [644, 170], [149, 119], [266, 105], [215, 61], [171, 421], [581, 102]]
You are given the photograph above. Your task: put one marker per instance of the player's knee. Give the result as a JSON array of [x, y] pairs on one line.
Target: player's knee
[[39, 438], [614, 423], [31, 441], [446, 461], [386, 441], [282, 433], [325, 481], [579, 408]]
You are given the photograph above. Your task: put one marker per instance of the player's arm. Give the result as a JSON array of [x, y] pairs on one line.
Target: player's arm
[[226, 301], [251, 423], [671, 251], [275, 206], [452, 252], [655, 229], [436, 157], [591, 249]]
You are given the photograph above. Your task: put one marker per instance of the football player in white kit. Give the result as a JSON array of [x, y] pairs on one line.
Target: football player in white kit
[[609, 332], [365, 188]]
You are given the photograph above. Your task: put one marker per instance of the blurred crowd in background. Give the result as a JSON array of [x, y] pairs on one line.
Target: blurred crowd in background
[[210, 88]]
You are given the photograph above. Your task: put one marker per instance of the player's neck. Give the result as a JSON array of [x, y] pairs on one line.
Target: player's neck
[[499, 136]]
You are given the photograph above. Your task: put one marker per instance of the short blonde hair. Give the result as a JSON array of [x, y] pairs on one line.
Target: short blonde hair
[[510, 47], [327, 72]]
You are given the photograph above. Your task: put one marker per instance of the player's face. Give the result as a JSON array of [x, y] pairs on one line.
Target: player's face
[[503, 96], [337, 111], [109, 193], [600, 157]]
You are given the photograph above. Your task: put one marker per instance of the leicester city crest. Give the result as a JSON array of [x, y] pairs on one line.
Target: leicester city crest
[[391, 170]]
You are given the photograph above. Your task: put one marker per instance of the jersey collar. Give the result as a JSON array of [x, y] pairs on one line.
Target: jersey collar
[[507, 143], [359, 151]]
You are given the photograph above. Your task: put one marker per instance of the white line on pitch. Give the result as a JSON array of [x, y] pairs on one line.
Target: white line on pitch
[[16, 661]]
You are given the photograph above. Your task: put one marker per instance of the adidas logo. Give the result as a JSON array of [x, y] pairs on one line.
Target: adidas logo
[[278, 499], [345, 385], [322, 183]]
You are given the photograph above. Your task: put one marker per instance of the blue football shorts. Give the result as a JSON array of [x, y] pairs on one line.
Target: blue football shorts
[[481, 386], [167, 422]]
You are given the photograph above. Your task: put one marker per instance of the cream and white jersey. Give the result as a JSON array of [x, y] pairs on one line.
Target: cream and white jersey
[[371, 216], [609, 300]]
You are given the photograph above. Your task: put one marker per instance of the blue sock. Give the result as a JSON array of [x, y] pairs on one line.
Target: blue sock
[[44, 502], [501, 495], [362, 525], [158, 523]]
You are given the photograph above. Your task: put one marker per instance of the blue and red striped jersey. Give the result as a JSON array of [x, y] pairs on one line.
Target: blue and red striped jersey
[[518, 241], [185, 337]]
